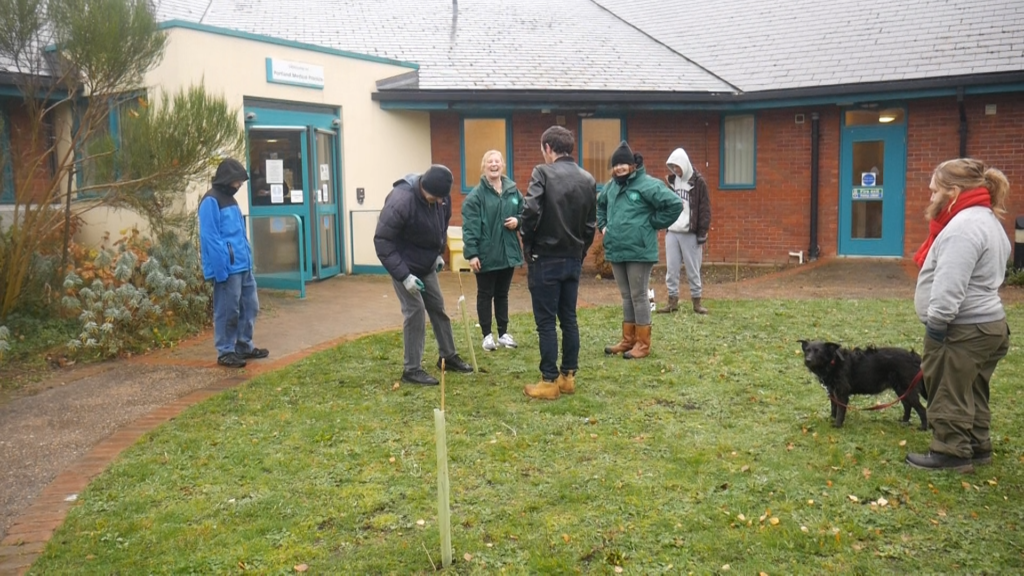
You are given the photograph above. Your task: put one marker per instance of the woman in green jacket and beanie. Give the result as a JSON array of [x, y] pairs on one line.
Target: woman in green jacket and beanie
[[491, 214], [630, 210]]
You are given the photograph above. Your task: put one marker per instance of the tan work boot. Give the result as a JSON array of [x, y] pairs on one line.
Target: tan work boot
[[643, 344], [566, 382], [543, 390], [673, 305], [628, 339], [697, 307]]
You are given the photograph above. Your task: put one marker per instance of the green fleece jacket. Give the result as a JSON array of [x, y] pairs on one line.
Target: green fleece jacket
[[484, 235], [631, 214]]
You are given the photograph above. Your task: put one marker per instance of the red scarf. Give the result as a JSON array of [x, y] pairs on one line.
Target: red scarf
[[975, 197]]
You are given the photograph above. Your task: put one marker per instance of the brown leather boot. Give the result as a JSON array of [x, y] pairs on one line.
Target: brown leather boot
[[543, 390], [643, 344], [566, 382], [628, 339], [673, 305], [697, 307]]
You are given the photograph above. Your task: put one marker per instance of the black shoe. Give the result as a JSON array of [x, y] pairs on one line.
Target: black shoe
[[939, 461], [455, 363], [981, 458], [420, 377], [231, 360], [254, 353]]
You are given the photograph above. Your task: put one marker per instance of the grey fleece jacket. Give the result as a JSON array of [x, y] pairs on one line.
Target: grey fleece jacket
[[959, 282]]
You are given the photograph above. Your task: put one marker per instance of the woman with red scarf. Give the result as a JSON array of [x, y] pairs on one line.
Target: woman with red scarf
[[962, 263]]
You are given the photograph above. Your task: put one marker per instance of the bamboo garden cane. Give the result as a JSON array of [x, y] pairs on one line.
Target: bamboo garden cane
[[444, 518], [465, 322]]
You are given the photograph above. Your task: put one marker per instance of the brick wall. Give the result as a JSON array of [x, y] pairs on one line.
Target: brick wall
[[25, 152], [764, 224]]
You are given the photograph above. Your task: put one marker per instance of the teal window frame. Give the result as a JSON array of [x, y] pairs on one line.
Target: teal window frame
[[623, 135], [722, 185], [467, 186], [7, 177]]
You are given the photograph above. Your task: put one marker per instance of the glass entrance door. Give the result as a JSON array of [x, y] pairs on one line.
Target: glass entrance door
[[872, 183], [294, 166], [323, 203]]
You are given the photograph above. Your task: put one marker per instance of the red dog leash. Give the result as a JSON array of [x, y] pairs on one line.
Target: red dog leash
[[914, 382]]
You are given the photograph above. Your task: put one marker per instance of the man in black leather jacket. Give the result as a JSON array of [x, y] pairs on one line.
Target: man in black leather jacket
[[558, 227]]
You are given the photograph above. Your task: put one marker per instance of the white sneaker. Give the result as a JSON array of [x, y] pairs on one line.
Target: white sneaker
[[489, 344], [507, 341]]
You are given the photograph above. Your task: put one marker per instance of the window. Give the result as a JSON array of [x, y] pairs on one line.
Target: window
[[6, 161], [739, 152], [478, 136], [96, 155], [599, 137]]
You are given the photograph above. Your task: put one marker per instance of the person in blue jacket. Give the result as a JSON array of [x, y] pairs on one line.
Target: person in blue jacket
[[227, 261]]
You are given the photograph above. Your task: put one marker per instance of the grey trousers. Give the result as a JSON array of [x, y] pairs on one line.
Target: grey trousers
[[633, 279], [415, 309], [682, 247]]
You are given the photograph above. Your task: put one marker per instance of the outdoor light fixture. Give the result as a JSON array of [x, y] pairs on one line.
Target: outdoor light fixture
[[888, 115]]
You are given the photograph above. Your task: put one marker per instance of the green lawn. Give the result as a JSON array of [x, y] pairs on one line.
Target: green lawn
[[713, 455]]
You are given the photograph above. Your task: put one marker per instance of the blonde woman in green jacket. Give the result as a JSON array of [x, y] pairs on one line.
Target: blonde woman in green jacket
[[630, 210], [491, 214]]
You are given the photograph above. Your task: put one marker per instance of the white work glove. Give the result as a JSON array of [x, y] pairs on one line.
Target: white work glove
[[439, 264], [413, 284]]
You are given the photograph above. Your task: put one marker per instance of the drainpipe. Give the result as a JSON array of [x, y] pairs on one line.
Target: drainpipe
[[812, 251], [963, 121]]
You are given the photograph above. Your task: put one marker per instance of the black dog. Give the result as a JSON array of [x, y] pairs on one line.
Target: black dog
[[844, 372]]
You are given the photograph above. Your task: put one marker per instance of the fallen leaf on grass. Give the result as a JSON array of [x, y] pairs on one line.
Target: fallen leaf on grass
[[301, 568]]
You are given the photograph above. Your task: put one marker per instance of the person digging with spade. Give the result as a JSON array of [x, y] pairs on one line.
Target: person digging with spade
[[410, 237]]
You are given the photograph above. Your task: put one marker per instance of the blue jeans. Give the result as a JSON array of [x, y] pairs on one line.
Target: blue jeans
[[235, 306], [554, 285]]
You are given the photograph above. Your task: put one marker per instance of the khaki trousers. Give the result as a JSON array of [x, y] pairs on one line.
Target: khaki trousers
[[957, 373]]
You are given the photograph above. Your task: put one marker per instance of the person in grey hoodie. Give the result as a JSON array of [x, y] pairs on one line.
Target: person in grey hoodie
[[963, 263], [684, 241]]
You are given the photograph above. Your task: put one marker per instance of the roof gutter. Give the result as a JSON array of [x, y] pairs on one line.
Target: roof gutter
[[414, 99]]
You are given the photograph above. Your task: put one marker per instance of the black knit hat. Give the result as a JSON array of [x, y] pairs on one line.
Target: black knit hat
[[622, 155], [437, 181]]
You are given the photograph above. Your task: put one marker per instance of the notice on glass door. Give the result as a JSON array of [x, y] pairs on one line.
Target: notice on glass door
[[296, 196], [277, 193], [275, 171]]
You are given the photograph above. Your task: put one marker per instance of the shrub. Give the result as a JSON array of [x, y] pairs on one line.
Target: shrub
[[137, 295], [1014, 276], [4, 345]]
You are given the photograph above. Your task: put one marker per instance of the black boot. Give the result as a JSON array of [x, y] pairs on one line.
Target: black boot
[[939, 461], [455, 364], [418, 376]]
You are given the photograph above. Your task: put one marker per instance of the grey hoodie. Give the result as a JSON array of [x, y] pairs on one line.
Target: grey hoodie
[[959, 282]]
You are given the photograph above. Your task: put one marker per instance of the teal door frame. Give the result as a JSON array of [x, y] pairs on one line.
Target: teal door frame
[[310, 212], [893, 190]]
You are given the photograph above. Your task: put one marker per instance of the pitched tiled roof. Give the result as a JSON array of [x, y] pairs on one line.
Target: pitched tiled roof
[[779, 44], [497, 44]]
